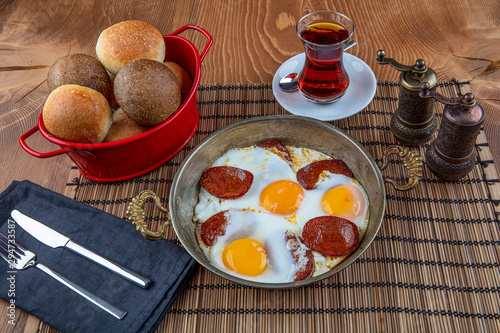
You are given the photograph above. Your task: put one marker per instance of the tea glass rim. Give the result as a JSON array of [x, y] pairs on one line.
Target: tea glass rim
[[324, 12]]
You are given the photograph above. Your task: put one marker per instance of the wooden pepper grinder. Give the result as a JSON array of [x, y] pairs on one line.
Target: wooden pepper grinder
[[414, 121], [451, 155]]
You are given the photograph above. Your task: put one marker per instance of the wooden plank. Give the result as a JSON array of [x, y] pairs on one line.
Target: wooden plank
[[252, 39]]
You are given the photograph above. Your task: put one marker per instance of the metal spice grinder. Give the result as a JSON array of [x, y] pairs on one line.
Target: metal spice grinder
[[451, 155], [414, 121]]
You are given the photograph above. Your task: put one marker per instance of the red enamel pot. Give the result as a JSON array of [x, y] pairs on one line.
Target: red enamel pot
[[128, 158]]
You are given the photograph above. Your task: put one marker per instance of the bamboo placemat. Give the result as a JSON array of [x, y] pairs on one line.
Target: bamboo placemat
[[433, 267]]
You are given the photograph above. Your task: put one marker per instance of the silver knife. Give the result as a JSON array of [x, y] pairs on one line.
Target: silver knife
[[54, 239]]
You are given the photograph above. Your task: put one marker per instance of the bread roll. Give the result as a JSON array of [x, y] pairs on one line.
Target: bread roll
[[123, 127], [147, 91], [182, 78], [126, 41], [82, 70], [76, 113]]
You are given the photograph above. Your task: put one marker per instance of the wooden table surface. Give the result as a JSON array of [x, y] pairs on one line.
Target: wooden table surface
[[252, 38]]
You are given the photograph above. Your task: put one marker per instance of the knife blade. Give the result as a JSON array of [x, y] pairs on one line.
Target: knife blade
[[54, 239]]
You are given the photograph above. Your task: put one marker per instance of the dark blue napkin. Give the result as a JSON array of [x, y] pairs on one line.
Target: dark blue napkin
[[166, 264]]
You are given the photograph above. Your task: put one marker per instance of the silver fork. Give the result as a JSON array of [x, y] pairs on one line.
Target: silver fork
[[20, 258]]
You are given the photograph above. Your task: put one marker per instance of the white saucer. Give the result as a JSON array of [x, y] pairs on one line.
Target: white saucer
[[362, 87]]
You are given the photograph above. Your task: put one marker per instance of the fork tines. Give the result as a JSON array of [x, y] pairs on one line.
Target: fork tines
[[11, 241], [9, 249]]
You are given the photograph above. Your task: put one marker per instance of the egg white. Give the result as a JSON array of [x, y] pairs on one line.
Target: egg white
[[247, 219], [268, 230], [266, 168], [313, 204]]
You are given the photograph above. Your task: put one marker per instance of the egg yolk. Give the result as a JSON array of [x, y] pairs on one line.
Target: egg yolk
[[344, 201], [245, 256], [283, 197]]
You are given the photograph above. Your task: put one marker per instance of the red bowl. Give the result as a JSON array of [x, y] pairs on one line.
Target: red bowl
[[131, 157]]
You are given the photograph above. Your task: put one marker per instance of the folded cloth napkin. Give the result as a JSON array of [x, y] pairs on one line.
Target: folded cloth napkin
[[167, 265]]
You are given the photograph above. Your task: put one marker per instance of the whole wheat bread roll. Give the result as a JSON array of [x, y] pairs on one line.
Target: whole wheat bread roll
[[126, 41], [147, 91], [78, 114], [123, 127], [82, 70], [182, 78]]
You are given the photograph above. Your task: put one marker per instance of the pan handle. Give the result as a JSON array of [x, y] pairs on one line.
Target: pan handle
[[22, 142], [136, 215], [412, 161], [197, 28]]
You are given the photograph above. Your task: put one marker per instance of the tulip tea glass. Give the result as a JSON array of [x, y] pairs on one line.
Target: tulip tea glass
[[324, 35]]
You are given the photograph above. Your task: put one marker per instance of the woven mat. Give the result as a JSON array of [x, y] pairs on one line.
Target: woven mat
[[434, 265]]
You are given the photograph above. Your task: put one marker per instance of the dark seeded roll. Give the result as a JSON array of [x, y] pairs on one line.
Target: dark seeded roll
[[147, 91], [82, 70]]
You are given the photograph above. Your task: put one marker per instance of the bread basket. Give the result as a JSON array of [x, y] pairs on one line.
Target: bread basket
[[131, 157]]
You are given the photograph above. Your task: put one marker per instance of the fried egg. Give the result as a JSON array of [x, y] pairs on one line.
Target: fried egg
[[267, 169], [253, 246]]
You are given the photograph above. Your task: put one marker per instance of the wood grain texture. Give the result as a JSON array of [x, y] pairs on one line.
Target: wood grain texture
[[252, 38]]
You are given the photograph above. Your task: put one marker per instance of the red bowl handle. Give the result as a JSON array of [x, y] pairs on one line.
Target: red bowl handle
[[22, 142], [197, 28]]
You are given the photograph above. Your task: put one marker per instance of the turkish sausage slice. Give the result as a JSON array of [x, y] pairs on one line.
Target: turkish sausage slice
[[212, 228], [331, 235], [278, 148], [226, 182], [303, 257], [308, 176]]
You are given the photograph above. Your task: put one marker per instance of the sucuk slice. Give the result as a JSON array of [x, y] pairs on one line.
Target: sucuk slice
[[308, 176], [278, 148], [212, 228], [303, 257], [331, 235], [226, 182]]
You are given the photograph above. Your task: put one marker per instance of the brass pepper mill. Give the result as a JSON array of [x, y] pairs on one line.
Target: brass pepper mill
[[451, 155], [414, 121]]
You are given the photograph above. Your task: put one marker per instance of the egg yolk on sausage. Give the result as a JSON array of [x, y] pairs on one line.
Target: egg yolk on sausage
[[283, 197], [344, 201], [245, 256]]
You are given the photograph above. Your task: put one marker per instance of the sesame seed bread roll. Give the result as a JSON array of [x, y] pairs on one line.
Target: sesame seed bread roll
[[126, 41], [123, 127], [78, 114]]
